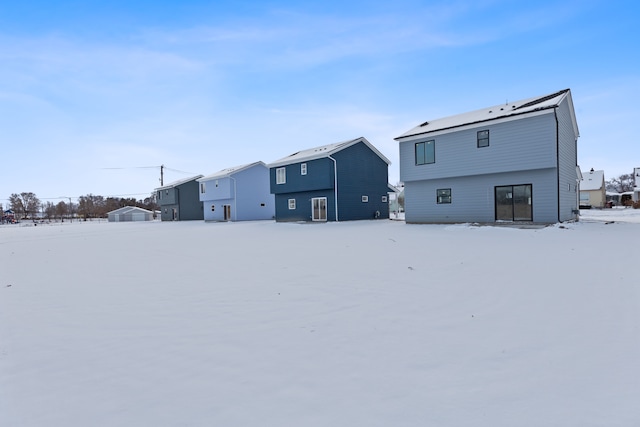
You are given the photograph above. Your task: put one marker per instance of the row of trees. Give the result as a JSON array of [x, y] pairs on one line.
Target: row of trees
[[620, 184], [27, 205]]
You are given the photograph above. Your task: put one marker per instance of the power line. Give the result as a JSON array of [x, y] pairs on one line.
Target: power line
[[162, 168]]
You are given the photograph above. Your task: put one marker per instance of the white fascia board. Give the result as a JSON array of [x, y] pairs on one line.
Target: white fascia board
[[476, 125]]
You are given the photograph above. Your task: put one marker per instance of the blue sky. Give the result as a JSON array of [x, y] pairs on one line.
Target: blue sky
[[198, 86]]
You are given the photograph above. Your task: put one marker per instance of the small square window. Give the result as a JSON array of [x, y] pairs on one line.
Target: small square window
[[292, 204], [303, 169], [384, 199], [216, 183], [483, 138], [443, 195], [365, 199], [281, 175]]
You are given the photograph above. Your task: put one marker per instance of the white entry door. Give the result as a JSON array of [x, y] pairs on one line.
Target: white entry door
[[319, 209]]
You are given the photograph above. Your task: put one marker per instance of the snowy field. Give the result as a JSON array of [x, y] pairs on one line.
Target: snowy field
[[370, 323]]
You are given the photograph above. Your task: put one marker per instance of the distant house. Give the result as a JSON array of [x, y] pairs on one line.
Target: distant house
[[8, 216], [508, 163], [636, 184], [180, 200], [336, 182], [239, 193], [130, 213], [592, 189], [396, 202]]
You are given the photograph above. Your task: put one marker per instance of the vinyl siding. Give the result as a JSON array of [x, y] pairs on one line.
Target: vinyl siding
[[473, 197], [217, 213], [166, 212], [319, 177], [186, 200], [253, 191], [245, 191], [361, 172], [597, 198], [167, 197], [567, 163], [302, 212], [528, 143], [223, 190]]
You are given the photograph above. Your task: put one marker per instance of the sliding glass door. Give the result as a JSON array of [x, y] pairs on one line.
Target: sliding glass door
[[513, 203]]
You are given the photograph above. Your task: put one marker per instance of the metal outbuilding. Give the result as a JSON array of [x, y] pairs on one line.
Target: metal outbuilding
[[130, 213]]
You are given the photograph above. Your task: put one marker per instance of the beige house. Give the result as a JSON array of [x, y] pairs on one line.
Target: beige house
[[592, 189]]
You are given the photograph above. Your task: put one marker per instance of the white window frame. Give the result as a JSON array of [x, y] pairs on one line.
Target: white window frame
[[365, 199], [281, 175], [303, 169], [384, 199], [292, 204], [322, 213]]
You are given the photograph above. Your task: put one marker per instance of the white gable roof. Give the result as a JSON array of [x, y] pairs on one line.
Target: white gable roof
[[179, 182], [230, 171], [508, 109], [324, 151], [593, 180], [127, 209]]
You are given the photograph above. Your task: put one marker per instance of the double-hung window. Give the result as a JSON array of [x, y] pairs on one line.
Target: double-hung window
[[425, 152], [483, 138], [281, 175], [303, 169]]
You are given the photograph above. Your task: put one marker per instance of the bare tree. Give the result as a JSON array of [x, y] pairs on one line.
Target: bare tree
[[91, 206], [49, 210], [621, 184], [61, 209], [26, 203]]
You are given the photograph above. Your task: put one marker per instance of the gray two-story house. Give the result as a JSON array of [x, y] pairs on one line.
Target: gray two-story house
[[515, 162], [336, 182], [180, 200]]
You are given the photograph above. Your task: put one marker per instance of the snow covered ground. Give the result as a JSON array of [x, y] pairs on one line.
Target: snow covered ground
[[369, 323]]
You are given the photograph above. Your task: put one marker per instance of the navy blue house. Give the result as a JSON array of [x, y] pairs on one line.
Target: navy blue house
[[337, 182]]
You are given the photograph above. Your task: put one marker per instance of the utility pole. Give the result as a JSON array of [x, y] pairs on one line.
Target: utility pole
[[161, 175]]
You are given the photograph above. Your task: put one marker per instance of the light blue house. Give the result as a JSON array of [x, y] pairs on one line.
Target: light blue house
[[239, 193], [336, 182], [515, 162]]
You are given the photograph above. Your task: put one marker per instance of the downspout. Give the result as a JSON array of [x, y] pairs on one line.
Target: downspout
[[555, 115], [335, 185], [235, 195]]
